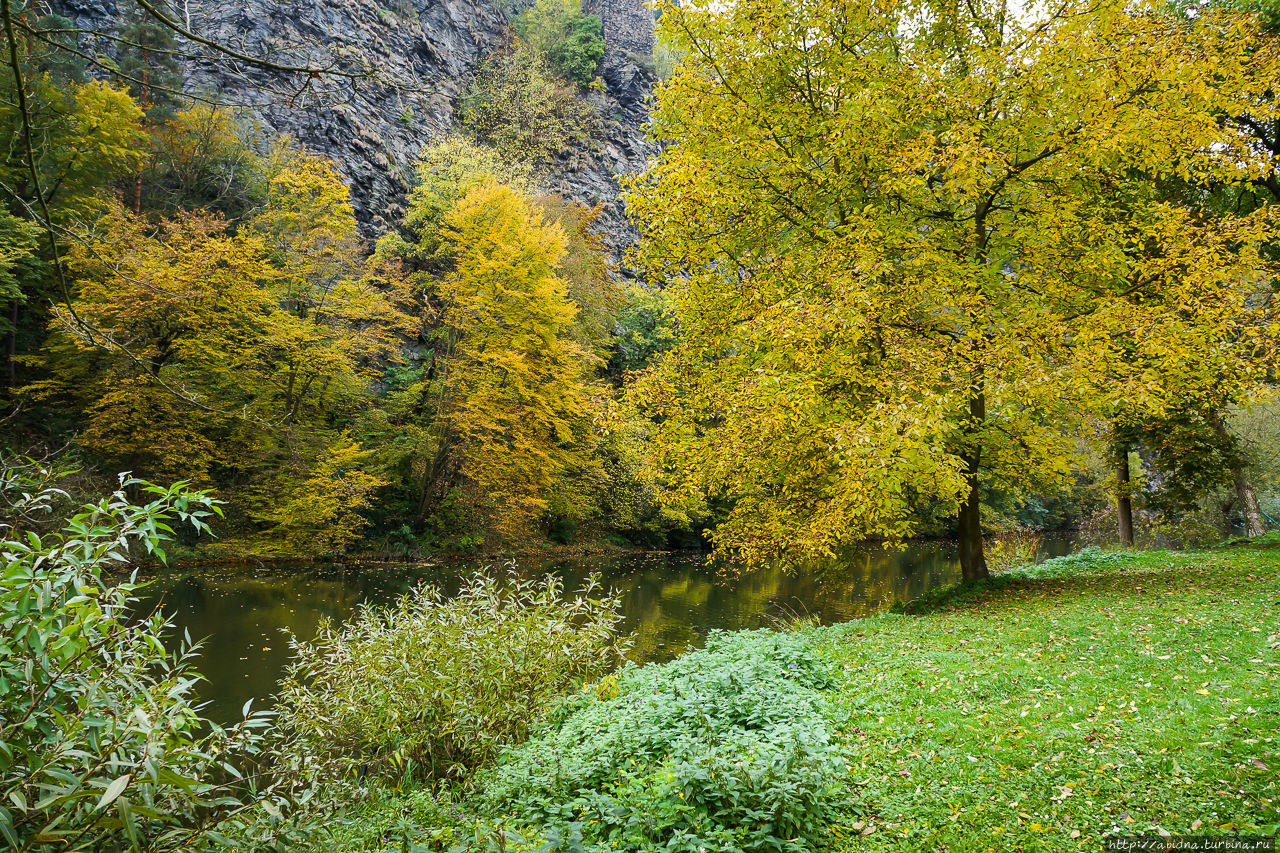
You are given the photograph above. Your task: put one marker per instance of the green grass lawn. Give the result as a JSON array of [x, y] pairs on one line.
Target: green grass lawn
[[1104, 694]]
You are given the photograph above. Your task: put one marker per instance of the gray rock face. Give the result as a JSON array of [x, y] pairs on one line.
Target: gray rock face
[[628, 32], [422, 54], [590, 172]]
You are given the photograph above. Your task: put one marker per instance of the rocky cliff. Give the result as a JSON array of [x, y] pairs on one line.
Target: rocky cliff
[[420, 55]]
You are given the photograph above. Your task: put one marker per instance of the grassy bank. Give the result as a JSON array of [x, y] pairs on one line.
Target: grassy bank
[[1092, 695], [1108, 693]]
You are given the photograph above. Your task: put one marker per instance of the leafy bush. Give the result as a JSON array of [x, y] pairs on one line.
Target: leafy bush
[[724, 749], [516, 104], [1012, 549], [102, 746], [646, 329], [433, 686], [572, 42]]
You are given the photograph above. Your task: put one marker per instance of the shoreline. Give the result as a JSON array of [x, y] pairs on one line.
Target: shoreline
[[549, 552]]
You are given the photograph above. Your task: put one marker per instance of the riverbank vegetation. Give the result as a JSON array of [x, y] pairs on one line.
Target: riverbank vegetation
[[907, 268], [1106, 693], [1090, 696], [952, 255], [202, 305]]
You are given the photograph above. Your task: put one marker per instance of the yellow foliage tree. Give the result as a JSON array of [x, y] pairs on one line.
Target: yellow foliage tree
[[231, 359], [338, 327], [905, 240], [84, 136], [202, 158], [518, 104], [325, 512], [514, 399]]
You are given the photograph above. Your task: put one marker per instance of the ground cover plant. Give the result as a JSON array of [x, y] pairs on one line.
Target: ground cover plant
[[726, 749]]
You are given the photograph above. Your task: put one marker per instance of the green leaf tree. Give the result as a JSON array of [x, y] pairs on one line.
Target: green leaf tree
[[899, 266]]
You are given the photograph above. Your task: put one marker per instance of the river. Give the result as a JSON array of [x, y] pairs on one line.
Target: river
[[670, 600]]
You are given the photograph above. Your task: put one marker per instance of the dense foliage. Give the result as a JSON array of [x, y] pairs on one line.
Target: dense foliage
[[955, 308], [572, 42], [224, 357], [726, 749], [918, 250], [102, 743], [521, 106], [434, 686], [525, 99]]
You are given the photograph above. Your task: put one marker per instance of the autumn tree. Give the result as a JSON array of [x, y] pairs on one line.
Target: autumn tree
[[233, 358], [445, 171], [83, 136], [519, 105], [904, 241], [203, 158], [156, 341], [492, 432], [515, 398], [585, 272]]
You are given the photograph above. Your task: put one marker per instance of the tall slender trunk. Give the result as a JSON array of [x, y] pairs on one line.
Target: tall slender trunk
[[1248, 500], [1124, 499], [973, 559], [143, 101]]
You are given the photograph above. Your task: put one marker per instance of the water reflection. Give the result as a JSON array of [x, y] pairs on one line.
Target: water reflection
[[670, 601]]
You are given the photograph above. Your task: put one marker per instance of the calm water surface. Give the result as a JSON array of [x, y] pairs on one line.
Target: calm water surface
[[670, 601]]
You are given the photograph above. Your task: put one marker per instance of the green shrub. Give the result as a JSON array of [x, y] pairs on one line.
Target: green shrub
[[646, 328], [434, 686], [517, 104], [724, 749], [102, 745], [572, 42]]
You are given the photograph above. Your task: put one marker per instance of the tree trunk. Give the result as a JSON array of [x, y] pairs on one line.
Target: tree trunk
[[1124, 501], [1248, 500], [973, 560], [143, 102]]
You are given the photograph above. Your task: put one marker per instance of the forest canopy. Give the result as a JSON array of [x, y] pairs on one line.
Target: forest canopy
[[908, 269]]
